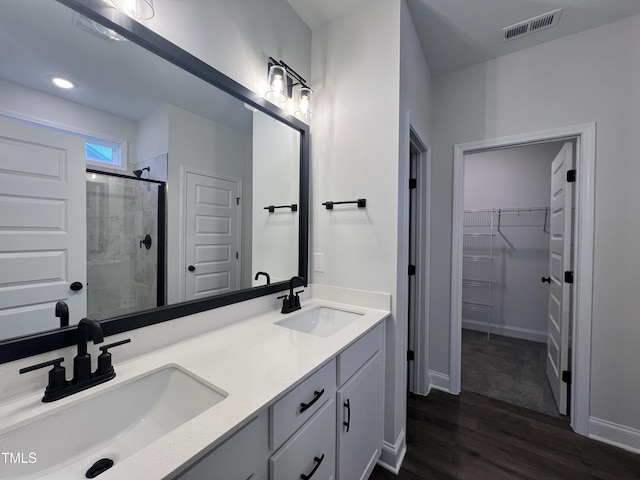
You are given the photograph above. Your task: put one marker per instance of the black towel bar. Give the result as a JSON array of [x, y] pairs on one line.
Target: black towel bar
[[361, 202], [272, 208]]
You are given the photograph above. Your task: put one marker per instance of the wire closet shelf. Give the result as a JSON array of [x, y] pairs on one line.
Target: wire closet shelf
[[479, 254]]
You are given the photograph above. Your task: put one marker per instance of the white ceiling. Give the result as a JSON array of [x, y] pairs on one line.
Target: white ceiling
[[459, 33]]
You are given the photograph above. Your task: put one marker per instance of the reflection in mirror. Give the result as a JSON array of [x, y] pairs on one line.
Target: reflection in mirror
[[64, 219]]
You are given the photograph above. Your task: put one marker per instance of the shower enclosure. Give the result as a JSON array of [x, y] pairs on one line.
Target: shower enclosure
[[125, 244]]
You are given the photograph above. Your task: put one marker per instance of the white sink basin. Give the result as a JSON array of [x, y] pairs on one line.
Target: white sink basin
[[113, 424], [321, 321]]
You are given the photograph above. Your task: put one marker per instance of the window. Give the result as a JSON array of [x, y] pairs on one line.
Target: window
[[104, 153]]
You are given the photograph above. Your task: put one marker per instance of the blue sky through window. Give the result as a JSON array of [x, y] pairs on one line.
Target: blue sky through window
[[99, 153]]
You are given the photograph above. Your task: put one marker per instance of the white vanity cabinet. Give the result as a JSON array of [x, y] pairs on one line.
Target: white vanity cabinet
[[360, 402], [244, 456], [328, 426]]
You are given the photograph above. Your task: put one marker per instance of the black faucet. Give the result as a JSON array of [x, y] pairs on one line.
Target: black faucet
[[291, 303], [265, 274], [59, 387], [82, 361], [62, 312]]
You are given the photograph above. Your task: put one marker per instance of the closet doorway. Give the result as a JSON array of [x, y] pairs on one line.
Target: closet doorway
[[506, 336], [576, 310]]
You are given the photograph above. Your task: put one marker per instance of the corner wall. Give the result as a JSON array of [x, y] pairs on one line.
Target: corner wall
[[587, 77], [371, 81]]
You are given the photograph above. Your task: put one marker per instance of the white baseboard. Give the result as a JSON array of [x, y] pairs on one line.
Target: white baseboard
[[439, 381], [507, 331], [614, 434], [393, 454]]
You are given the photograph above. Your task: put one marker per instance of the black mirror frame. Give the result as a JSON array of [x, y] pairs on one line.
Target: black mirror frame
[[98, 10]]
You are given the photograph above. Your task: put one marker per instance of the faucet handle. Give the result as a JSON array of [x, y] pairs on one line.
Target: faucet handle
[[57, 375], [104, 359]]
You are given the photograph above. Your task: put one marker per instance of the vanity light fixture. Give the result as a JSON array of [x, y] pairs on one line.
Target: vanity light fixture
[[304, 110], [62, 82], [138, 9], [282, 80], [278, 84]]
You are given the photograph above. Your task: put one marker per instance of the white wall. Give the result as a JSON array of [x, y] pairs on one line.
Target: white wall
[[367, 63], [276, 181], [591, 76], [237, 38], [513, 178], [201, 145], [354, 154], [31, 105]]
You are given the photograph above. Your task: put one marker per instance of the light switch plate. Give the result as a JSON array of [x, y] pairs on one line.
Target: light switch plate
[[318, 262]]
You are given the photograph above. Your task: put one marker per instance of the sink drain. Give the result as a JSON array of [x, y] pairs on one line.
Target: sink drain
[[99, 467]]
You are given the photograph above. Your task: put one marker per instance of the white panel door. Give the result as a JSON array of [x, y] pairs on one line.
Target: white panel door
[[42, 226], [212, 236], [559, 262]]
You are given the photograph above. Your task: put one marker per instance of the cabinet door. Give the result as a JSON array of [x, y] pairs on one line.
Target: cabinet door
[[359, 421], [244, 456]]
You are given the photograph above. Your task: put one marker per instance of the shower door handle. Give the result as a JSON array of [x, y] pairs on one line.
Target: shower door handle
[[191, 268], [76, 286]]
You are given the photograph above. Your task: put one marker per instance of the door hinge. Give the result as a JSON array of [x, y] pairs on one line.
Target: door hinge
[[571, 175], [237, 200], [237, 255], [411, 355], [412, 269], [413, 183], [566, 376], [568, 277]]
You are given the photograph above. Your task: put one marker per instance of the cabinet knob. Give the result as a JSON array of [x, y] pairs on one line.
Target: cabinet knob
[[76, 286], [191, 268]]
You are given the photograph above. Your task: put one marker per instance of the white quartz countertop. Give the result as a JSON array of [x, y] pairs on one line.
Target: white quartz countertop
[[254, 361]]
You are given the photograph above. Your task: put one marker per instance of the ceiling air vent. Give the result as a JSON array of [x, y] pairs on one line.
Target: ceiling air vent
[[535, 24]]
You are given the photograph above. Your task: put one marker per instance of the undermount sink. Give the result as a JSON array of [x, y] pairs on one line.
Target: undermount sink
[[113, 424], [321, 321]]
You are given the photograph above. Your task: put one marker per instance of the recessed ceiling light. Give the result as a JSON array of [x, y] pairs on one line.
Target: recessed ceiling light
[[62, 82]]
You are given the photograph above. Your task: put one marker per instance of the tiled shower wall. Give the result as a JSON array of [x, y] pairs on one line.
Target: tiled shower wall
[[121, 273]]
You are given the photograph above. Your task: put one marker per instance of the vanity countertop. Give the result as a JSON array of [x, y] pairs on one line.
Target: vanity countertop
[[254, 361]]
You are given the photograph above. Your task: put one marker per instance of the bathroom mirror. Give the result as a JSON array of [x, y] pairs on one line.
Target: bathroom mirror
[[141, 194]]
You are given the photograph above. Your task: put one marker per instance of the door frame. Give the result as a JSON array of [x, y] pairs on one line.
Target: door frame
[[582, 262], [417, 339], [184, 171]]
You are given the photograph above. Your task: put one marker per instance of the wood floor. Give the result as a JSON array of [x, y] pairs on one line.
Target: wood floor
[[473, 437]]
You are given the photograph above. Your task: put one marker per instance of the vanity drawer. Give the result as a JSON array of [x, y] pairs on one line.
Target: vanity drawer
[[311, 451], [356, 355], [291, 411]]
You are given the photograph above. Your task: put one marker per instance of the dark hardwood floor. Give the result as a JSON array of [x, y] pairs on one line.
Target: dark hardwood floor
[[473, 437]]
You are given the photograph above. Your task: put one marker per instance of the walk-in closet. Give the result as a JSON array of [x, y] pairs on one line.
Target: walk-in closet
[[505, 303]]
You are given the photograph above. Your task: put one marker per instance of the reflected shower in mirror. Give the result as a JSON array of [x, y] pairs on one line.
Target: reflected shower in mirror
[[83, 170]]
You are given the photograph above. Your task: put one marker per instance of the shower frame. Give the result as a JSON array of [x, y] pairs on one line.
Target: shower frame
[[162, 187]]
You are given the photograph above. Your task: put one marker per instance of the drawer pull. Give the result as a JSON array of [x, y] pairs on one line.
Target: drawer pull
[[347, 404], [318, 462], [316, 396]]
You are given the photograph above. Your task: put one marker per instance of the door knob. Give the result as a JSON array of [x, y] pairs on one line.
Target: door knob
[[191, 268], [75, 286], [546, 279]]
